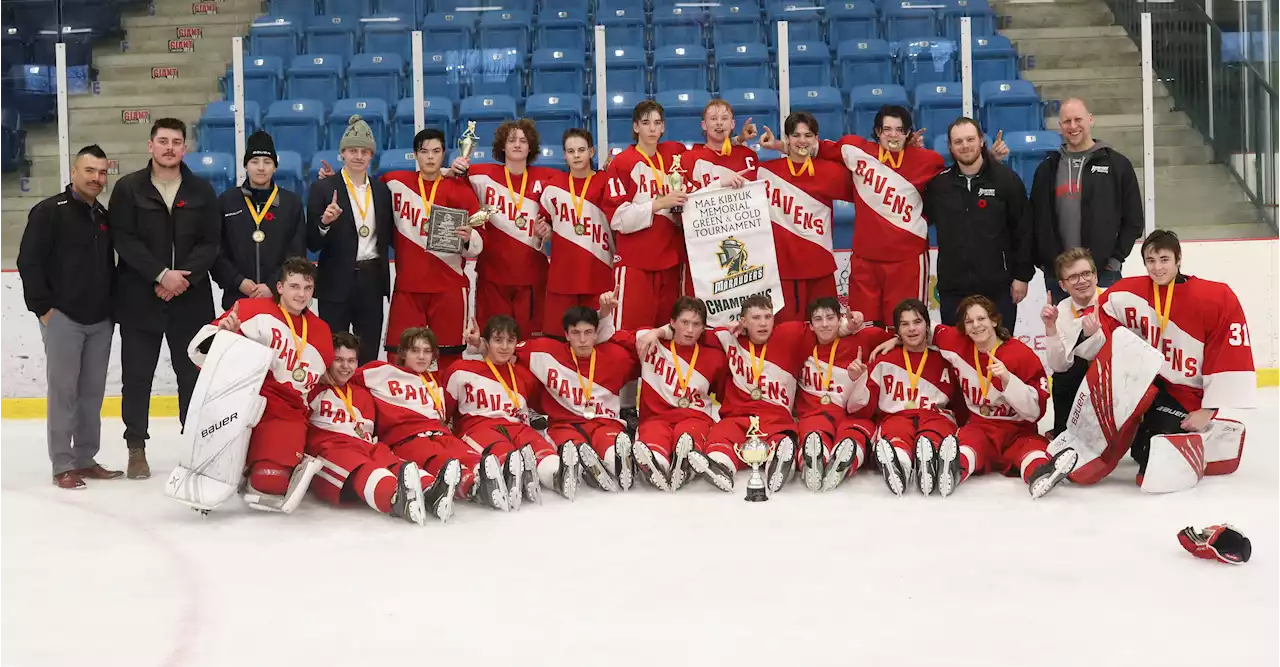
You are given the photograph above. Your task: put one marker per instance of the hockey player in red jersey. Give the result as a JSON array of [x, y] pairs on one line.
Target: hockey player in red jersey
[[304, 350], [802, 191], [909, 390], [431, 288], [724, 160], [676, 406], [834, 441], [511, 278], [649, 269], [340, 433], [582, 246]]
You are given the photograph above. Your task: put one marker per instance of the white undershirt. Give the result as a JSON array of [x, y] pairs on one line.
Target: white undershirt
[[368, 245]]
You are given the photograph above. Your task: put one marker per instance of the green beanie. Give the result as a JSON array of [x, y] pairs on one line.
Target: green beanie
[[357, 135]]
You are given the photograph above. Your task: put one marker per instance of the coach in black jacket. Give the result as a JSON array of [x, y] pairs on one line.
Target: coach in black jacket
[[165, 223], [354, 240], [979, 207]]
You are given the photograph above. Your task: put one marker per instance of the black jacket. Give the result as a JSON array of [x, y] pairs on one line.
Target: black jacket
[[149, 238], [338, 246], [285, 226], [1110, 208], [66, 259], [984, 228]]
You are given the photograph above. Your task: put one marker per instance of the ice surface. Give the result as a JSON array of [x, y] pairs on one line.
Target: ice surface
[[119, 575]]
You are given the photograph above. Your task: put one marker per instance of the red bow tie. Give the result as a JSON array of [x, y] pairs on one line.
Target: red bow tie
[[1084, 311]]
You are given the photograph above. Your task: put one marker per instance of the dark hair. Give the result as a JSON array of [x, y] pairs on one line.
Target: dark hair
[[427, 135], [579, 132], [298, 266], [642, 109], [796, 118], [992, 312], [892, 111], [822, 303], [500, 324], [504, 131], [965, 120], [1163, 239], [169, 124], [578, 315], [689, 304], [412, 335], [761, 301], [1061, 262], [910, 306], [92, 150], [346, 339]]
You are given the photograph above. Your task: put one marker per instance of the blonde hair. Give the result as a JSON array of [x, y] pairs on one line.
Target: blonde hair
[[1070, 257]]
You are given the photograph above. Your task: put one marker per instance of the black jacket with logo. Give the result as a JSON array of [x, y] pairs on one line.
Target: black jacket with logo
[[66, 259], [1111, 217], [984, 228], [285, 227]]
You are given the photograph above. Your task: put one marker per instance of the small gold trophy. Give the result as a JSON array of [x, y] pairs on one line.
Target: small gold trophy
[[467, 142], [755, 452], [480, 217], [675, 176]]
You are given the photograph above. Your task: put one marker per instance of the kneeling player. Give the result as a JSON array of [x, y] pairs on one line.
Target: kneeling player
[[340, 434]]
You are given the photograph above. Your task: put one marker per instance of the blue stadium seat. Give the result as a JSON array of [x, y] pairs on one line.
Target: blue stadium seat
[[759, 102], [677, 25], [330, 156], [557, 71], [437, 113], [412, 9], [865, 102], [851, 20], [551, 154], [825, 103], [554, 114], [333, 34], [489, 111], [216, 130], [372, 110], [610, 6], [743, 66], [376, 75], [928, 61], [810, 65], [32, 94], [903, 22], [582, 7], [563, 29], [496, 72], [480, 155], [346, 7], [982, 20], [263, 80], [1027, 150], [842, 214], [315, 77], [449, 31], [289, 172], [617, 147], [217, 168], [628, 70], [803, 17], [277, 36], [13, 45], [296, 125], [441, 75], [400, 158], [505, 30], [864, 63], [1013, 106], [994, 59], [617, 114], [737, 23], [942, 146], [680, 68], [300, 12], [387, 34], [937, 105], [624, 28], [683, 110]]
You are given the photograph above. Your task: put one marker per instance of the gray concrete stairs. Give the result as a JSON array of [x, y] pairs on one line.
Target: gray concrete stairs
[[125, 83], [1072, 48]]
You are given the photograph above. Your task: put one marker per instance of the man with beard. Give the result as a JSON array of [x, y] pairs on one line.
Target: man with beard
[[979, 207]]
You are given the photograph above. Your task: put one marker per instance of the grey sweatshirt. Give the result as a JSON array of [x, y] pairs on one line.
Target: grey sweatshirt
[[1067, 194]]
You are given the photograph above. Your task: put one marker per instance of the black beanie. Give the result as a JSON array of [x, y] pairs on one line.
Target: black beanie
[[259, 144]]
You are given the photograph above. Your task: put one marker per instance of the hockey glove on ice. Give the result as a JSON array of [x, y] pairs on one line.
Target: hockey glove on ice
[[1222, 543]]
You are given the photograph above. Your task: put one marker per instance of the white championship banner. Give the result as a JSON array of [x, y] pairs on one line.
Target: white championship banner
[[730, 243]]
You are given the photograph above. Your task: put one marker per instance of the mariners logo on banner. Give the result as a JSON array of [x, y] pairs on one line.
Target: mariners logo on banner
[[730, 244]]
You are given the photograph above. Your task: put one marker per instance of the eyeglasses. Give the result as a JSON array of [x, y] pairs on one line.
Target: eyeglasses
[[1083, 276]]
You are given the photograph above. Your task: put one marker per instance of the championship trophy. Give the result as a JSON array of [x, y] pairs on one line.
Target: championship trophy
[[755, 452], [675, 176], [467, 142], [480, 217]]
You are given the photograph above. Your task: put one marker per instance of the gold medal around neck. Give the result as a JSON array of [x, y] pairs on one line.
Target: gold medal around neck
[[826, 399], [580, 229], [299, 374], [683, 402], [259, 236], [911, 405], [589, 412], [756, 394], [521, 221], [365, 231]]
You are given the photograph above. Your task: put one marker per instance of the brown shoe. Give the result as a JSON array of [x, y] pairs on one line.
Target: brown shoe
[[68, 480], [96, 471], [138, 468]]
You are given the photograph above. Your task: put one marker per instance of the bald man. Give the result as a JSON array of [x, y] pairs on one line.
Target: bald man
[[1085, 195]]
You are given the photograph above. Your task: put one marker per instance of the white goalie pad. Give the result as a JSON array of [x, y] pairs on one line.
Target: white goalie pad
[[1109, 405], [299, 481], [1178, 461], [225, 406]]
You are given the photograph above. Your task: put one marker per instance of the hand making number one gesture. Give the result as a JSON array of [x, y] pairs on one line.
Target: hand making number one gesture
[[331, 212]]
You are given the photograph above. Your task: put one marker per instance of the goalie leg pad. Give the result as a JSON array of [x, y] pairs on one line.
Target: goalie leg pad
[[1175, 462], [298, 483], [1223, 444]]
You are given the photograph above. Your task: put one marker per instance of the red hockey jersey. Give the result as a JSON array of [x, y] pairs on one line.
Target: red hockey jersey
[[567, 385], [515, 256], [1022, 399], [1208, 361], [705, 166], [800, 207], [779, 365], [660, 396], [886, 389], [889, 204], [331, 421], [480, 397], [262, 320], [645, 240], [408, 403], [817, 372], [419, 269], [580, 263]]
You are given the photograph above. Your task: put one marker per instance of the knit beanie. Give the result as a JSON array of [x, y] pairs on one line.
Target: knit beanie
[[259, 144], [357, 135]]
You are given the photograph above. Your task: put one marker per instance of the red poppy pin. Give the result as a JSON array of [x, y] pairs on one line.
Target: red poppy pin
[[181, 203], [269, 216], [982, 203]]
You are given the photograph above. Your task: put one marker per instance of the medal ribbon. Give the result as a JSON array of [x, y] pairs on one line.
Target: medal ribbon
[[727, 148], [590, 386], [519, 201], [682, 381], [831, 364], [422, 192], [510, 391], [259, 215], [346, 400], [914, 376], [1076, 314], [806, 167], [886, 157], [657, 174], [437, 394], [298, 345], [757, 369], [351, 190], [984, 382], [1164, 314], [579, 201]]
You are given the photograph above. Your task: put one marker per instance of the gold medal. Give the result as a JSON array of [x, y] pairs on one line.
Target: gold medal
[[259, 236], [826, 399], [589, 412], [683, 402], [911, 405], [365, 231], [580, 229], [520, 220], [985, 410], [299, 374], [757, 369], [682, 379], [299, 344], [756, 394]]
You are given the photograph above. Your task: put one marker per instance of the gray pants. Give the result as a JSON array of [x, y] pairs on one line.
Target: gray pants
[[76, 357]]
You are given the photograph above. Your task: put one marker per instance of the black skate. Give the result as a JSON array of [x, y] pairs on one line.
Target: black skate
[[813, 466], [681, 471], [1051, 473], [622, 448], [926, 465], [408, 503], [632, 418], [514, 473], [490, 486], [439, 498], [782, 464], [891, 467], [948, 466], [715, 472], [649, 468], [594, 470], [532, 489], [838, 466], [566, 476]]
